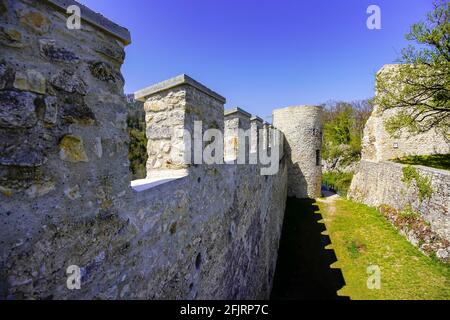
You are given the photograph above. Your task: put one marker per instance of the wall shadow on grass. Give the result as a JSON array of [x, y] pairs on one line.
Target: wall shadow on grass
[[303, 268]]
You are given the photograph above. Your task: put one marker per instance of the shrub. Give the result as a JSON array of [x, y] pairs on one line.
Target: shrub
[[338, 181], [423, 183]]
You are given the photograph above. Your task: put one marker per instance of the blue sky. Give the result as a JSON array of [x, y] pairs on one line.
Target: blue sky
[[263, 54]]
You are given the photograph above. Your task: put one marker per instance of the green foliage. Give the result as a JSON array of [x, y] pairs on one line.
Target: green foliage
[[423, 183], [338, 181], [420, 86], [343, 129], [439, 161], [408, 213], [137, 152]]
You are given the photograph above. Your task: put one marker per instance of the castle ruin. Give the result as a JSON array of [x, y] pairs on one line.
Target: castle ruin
[[379, 181]]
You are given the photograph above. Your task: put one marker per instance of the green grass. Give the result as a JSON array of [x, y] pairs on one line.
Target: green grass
[[439, 161], [339, 181], [361, 236]]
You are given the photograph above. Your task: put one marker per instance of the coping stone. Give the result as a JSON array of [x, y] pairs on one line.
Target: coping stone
[[183, 79], [256, 118], [237, 110], [95, 19]]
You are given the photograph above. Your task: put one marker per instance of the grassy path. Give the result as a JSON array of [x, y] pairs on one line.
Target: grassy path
[[360, 236]]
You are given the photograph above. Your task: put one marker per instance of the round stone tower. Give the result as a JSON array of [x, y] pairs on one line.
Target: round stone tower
[[302, 128]]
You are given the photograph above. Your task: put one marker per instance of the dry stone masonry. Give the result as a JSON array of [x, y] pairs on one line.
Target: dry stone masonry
[[187, 231]]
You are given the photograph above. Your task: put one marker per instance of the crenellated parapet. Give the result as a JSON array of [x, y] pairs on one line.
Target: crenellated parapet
[[185, 120], [197, 228]]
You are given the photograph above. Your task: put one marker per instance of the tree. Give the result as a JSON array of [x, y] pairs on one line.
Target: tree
[[419, 87], [137, 151], [343, 128]]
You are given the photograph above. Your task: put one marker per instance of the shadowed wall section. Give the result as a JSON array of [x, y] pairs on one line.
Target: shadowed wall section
[[302, 128]]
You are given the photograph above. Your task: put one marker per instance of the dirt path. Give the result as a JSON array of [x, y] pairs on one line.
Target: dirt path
[[330, 200]]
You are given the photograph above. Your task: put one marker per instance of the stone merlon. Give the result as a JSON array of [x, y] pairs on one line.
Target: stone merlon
[[237, 110], [256, 118], [182, 79], [95, 19]]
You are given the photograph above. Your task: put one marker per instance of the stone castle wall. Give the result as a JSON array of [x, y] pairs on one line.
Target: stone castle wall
[[65, 194], [379, 182], [379, 145], [302, 128]]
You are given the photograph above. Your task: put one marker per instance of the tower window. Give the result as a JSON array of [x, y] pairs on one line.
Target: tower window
[[317, 157]]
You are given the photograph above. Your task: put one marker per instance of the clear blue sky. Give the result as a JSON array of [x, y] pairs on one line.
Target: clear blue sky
[[262, 54]]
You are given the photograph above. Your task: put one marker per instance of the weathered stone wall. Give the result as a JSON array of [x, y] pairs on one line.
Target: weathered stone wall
[[213, 239], [379, 145], [213, 234], [65, 195], [62, 108], [63, 145], [380, 183], [302, 128]]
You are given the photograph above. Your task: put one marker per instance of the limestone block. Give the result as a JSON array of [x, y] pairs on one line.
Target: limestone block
[[51, 110], [17, 109], [40, 189], [103, 71], [35, 21], [78, 113], [115, 52], [73, 192], [22, 148], [72, 149], [54, 53], [11, 37], [30, 80], [98, 149], [7, 75], [70, 82], [155, 106]]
